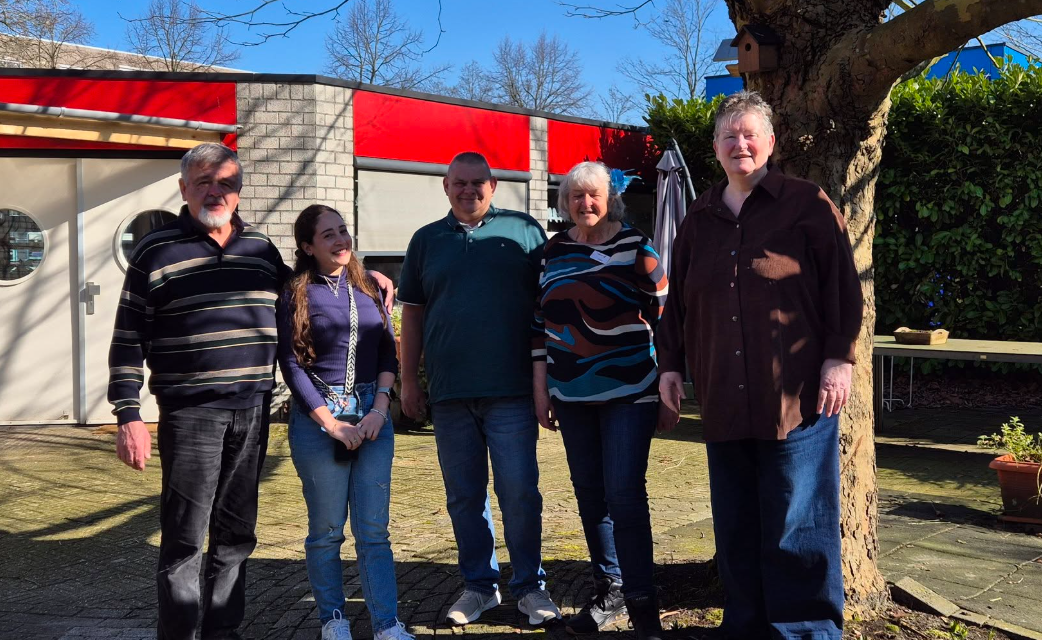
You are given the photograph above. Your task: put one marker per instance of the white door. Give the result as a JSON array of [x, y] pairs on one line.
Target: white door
[[122, 201], [37, 281]]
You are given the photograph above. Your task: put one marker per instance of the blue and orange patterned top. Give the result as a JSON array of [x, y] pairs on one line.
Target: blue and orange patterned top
[[595, 318]]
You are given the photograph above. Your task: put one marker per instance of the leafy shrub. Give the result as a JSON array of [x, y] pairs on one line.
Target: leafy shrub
[[1023, 446], [959, 207]]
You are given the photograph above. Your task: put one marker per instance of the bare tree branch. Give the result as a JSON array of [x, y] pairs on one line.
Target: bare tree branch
[[682, 29], [373, 44], [176, 38], [39, 32], [595, 12], [541, 76], [617, 105], [932, 28], [1025, 35], [262, 28]]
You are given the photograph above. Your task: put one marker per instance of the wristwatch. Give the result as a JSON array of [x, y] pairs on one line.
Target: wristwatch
[[391, 395]]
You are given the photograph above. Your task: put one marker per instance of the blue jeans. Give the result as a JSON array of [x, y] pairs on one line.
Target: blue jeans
[[332, 489], [776, 518], [211, 460], [607, 447], [468, 432]]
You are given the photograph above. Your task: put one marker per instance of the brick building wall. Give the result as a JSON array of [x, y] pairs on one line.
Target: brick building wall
[[296, 146], [537, 188]]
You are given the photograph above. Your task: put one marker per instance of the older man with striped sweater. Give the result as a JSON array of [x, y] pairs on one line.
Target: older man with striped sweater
[[198, 305]]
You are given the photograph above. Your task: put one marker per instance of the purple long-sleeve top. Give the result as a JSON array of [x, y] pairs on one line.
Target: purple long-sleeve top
[[330, 330]]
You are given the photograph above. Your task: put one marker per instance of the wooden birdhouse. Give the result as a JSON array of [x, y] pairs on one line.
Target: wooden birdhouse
[[757, 48]]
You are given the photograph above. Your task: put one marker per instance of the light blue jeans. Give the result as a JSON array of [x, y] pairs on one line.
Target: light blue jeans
[[333, 489], [468, 432]]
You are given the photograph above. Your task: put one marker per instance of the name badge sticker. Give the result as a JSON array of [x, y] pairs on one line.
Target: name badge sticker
[[600, 257]]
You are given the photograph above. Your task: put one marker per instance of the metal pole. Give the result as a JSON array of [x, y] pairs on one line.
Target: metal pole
[[687, 172]]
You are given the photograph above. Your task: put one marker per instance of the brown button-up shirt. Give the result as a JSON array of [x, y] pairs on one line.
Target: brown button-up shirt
[[757, 303]]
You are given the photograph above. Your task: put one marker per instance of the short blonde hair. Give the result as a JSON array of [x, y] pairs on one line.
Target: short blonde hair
[[739, 104], [587, 175]]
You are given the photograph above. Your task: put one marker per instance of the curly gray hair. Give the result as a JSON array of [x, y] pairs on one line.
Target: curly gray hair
[[736, 105], [589, 175]]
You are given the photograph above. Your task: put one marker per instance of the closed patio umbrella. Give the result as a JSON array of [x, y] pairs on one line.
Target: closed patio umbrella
[[670, 206]]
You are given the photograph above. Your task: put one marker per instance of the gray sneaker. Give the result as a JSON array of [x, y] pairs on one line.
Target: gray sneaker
[[337, 628], [397, 632], [471, 605], [539, 607]]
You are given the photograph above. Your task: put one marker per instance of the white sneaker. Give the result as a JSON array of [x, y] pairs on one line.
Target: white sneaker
[[337, 628], [397, 632], [539, 607], [471, 605]]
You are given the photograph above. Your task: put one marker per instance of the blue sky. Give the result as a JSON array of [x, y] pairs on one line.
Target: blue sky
[[472, 30]]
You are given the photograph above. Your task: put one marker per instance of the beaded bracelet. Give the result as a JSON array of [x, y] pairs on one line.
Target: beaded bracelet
[[385, 416]]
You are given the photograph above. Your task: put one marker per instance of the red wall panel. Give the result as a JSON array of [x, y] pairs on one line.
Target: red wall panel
[[206, 101], [20, 142], [571, 143], [410, 129]]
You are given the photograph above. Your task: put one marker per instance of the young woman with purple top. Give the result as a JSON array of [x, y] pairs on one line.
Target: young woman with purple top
[[333, 331]]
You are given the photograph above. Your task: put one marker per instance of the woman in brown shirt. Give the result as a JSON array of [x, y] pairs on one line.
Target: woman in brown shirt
[[764, 309]]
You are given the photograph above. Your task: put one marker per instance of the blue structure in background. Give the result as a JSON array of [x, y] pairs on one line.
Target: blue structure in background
[[971, 60], [723, 85]]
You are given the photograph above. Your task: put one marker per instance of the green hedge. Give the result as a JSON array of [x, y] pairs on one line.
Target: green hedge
[[958, 202], [959, 207]]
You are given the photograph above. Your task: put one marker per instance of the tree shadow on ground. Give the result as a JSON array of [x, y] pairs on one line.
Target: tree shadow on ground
[[96, 575]]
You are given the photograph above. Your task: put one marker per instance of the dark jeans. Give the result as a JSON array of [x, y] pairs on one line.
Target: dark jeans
[[776, 517], [211, 460], [607, 447]]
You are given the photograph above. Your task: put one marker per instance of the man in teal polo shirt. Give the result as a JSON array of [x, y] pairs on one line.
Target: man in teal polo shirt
[[468, 284]]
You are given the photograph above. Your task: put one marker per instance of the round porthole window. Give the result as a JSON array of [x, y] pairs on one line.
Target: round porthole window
[[22, 246], [137, 227]]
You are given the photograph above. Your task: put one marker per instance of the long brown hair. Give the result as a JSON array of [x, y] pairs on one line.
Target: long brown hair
[[305, 272]]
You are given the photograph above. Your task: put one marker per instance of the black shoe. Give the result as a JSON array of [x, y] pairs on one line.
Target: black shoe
[[644, 617], [605, 607]]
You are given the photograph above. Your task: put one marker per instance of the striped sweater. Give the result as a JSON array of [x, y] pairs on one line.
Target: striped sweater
[[201, 316], [596, 315]]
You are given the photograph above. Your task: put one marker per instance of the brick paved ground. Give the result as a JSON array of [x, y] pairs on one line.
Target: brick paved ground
[[78, 537], [78, 532]]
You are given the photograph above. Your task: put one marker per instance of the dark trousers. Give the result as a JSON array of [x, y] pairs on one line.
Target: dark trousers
[[776, 517], [607, 446], [211, 460]]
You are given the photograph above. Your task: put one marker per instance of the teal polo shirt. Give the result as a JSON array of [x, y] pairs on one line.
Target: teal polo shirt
[[478, 289]]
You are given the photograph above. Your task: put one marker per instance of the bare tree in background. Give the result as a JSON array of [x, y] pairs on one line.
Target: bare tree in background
[[681, 28], [1025, 35], [545, 76], [474, 83], [178, 37], [36, 33], [617, 105], [373, 44]]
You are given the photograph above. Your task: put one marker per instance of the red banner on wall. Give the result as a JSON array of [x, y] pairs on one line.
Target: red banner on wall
[[204, 101], [571, 143], [414, 130]]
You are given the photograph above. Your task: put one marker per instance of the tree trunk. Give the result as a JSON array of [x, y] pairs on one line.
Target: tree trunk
[[841, 152]]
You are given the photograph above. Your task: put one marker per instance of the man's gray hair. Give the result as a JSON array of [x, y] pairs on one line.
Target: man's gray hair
[[736, 105], [208, 154], [589, 175]]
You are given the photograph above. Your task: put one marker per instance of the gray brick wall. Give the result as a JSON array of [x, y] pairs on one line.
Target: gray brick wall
[[537, 188], [296, 148]]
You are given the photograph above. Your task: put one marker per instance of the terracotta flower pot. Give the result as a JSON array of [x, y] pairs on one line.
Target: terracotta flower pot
[[1021, 486]]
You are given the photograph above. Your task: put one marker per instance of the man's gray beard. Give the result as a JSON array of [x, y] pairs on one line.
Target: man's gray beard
[[214, 221]]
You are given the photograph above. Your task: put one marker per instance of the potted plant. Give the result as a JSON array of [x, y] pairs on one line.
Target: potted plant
[[1020, 471]]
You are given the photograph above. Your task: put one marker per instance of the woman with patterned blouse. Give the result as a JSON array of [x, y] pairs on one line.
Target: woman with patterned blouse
[[595, 374]]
